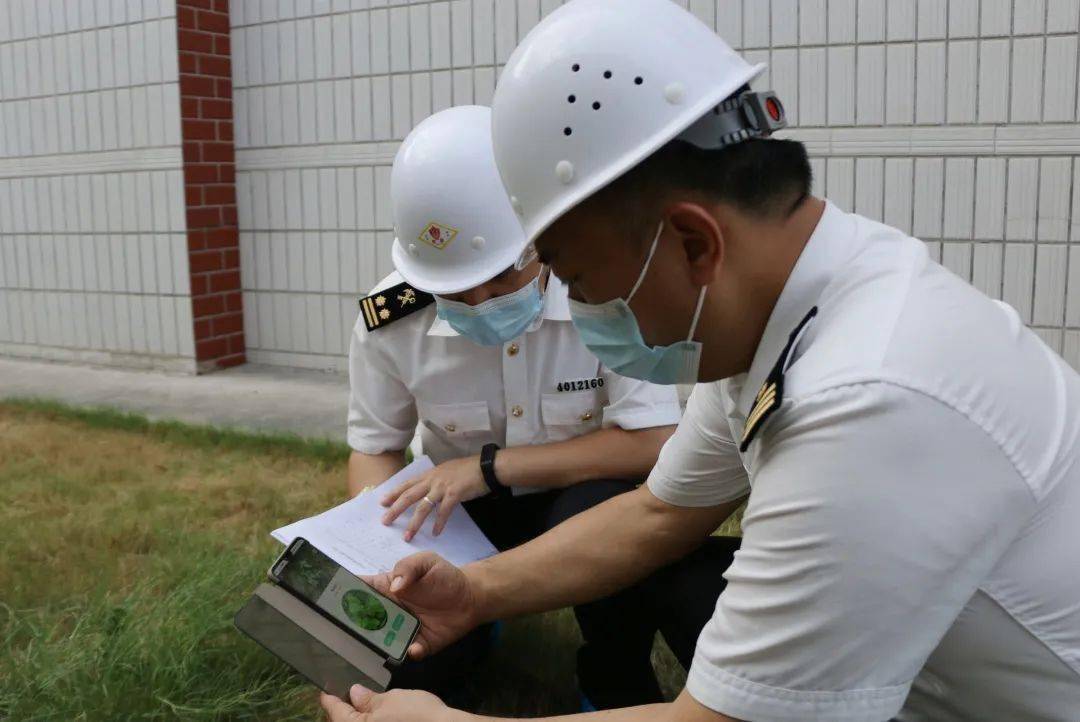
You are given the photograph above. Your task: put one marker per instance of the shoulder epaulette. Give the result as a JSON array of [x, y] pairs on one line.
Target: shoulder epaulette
[[771, 393], [393, 304]]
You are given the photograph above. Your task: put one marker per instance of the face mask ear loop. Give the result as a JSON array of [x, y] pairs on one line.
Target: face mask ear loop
[[542, 286], [648, 260], [697, 312]]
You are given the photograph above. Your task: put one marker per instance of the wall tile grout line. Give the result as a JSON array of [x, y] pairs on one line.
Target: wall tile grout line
[[101, 89], [94, 28]]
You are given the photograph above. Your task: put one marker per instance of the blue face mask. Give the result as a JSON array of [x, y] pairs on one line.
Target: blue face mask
[[497, 320], [611, 332]]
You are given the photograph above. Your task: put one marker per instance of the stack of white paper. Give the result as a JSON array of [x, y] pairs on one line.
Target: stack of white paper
[[354, 536]]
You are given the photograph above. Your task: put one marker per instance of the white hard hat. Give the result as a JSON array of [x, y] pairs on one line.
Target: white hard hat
[[598, 86], [453, 222]]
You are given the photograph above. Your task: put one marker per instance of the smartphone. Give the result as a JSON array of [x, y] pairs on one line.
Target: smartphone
[[345, 599]]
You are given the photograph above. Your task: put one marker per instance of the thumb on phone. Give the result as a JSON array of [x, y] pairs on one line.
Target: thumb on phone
[[409, 569]]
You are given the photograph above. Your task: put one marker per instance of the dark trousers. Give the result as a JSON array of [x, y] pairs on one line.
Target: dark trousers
[[614, 665], [682, 596]]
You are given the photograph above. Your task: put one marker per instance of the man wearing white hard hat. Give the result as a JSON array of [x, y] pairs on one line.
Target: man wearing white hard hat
[[525, 425], [911, 452]]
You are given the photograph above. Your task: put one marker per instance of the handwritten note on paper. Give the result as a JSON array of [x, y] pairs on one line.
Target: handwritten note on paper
[[353, 535]]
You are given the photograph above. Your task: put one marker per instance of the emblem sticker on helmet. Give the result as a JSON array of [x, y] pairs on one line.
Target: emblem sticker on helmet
[[437, 235]]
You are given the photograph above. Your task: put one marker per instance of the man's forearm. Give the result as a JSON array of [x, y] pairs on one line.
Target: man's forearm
[[373, 469], [645, 713], [591, 555], [604, 454], [683, 709]]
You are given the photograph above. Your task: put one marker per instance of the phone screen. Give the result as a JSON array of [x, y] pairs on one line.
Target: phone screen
[[321, 581]]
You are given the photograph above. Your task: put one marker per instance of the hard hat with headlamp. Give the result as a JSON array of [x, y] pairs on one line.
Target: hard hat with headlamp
[[599, 85]]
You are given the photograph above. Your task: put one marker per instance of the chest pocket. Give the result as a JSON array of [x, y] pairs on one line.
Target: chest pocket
[[457, 422], [569, 415]]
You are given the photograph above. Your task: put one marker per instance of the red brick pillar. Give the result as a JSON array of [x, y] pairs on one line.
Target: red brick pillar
[[206, 121]]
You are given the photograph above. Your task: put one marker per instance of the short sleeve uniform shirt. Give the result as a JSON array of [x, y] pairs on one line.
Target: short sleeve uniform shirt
[[911, 543]]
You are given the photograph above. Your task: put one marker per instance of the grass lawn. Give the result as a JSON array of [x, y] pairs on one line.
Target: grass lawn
[[127, 546]]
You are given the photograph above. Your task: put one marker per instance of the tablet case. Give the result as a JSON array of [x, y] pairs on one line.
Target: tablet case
[[324, 653]]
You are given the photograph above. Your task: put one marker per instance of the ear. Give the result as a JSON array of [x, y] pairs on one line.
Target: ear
[[701, 237]]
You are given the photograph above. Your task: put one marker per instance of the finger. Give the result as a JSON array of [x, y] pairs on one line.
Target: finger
[[378, 582], [397, 491], [410, 497], [442, 513], [419, 515], [336, 709], [362, 698], [418, 650], [411, 568]]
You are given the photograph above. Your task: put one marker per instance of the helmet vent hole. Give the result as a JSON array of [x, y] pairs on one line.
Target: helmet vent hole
[[596, 105], [567, 131], [575, 67], [607, 74], [639, 80], [572, 99]]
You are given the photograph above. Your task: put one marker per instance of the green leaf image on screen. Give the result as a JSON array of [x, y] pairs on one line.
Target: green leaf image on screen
[[364, 610]]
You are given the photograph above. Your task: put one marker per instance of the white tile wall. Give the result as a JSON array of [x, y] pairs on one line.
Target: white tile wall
[[93, 256], [955, 120]]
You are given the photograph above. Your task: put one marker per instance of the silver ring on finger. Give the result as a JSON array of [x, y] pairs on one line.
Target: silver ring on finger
[[429, 501]]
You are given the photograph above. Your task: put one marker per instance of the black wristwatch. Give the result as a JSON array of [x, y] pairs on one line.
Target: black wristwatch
[[487, 468]]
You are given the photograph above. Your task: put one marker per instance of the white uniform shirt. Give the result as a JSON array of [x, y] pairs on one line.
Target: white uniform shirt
[[543, 386], [912, 540]]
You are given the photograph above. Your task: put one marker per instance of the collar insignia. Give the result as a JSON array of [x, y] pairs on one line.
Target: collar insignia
[[383, 308], [771, 393]]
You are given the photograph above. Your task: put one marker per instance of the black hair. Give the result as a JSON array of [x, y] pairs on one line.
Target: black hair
[[765, 178]]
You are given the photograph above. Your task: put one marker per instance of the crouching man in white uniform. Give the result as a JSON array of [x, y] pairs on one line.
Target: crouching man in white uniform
[[910, 450], [526, 426]]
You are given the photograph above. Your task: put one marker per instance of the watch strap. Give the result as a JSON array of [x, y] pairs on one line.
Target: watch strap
[[487, 470]]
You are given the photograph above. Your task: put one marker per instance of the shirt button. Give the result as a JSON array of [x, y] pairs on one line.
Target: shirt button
[[450, 428], [517, 411], [587, 416], [512, 349]]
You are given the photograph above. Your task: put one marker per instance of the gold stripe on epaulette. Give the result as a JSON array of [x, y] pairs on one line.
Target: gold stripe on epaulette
[[768, 393], [766, 400], [756, 417], [765, 388], [363, 309], [369, 312], [771, 394]]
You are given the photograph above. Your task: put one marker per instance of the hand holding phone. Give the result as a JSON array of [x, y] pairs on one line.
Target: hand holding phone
[[439, 593]]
